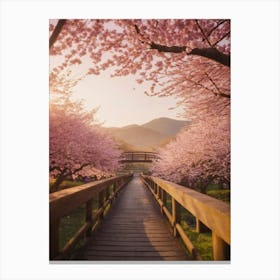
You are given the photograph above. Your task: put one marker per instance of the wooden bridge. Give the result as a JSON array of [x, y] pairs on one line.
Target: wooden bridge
[[128, 224], [129, 157]]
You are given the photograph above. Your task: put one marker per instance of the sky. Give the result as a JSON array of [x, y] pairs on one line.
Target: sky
[[121, 101]]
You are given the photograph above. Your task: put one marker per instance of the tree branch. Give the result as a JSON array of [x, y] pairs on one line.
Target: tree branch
[[212, 53], [172, 49], [80, 168], [225, 35], [56, 32], [218, 90], [215, 27], [204, 35]]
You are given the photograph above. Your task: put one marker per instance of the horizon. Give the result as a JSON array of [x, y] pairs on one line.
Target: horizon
[[140, 124]]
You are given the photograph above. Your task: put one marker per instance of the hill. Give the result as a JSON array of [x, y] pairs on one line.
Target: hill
[[147, 136], [166, 126]]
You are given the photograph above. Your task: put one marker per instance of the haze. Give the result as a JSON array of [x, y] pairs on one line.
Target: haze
[[121, 101]]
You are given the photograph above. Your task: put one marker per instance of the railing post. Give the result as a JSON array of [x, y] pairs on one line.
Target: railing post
[[200, 227], [54, 238], [89, 215], [163, 196], [107, 193], [221, 250], [101, 202], [114, 189], [176, 215], [157, 191], [153, 186]]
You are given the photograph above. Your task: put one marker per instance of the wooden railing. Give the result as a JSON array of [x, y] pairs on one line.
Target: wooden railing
[[210, 213], [138, 156], [63, 202]]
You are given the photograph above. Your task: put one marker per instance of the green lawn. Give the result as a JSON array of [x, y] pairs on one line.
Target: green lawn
[[67, 184], [201, 241], [223, 195], [70, 224]]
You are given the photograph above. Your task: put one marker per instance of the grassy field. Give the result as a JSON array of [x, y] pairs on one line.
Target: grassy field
[[201, 241], [66, 184], [70, 224]]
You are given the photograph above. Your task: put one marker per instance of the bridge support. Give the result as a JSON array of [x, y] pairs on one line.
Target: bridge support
[[101, 202], [176, 216], [221, 250], [54, 238], [89, 216], [200, 227]]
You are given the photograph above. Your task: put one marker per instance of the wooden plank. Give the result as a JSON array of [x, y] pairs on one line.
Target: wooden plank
[[133, 238], [134, 235], [135, 254], [134, 228], [141, 248], [128, 243], [132, 259]]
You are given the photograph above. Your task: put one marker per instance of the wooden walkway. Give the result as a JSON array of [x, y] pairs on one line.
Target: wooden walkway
[[134, 230]]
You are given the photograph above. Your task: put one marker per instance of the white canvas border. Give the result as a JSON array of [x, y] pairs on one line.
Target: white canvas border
[[255, 138]]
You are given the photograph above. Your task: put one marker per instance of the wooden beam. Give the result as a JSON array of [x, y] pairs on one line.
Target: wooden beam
[[221, 250], [65, 201], [54, 238]]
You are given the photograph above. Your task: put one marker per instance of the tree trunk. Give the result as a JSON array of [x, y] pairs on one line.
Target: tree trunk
[[58, 182], [56, 32]]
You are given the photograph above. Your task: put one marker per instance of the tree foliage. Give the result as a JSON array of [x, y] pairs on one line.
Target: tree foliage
[[189, 59], [177, 57], [77, 145], [199, 156]]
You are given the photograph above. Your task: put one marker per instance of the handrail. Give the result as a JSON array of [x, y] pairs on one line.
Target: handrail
[[209, 212], [63, 202], [138, 156]]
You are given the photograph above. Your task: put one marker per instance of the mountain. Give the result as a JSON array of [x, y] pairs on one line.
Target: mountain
[[147, 136], [166, 126]]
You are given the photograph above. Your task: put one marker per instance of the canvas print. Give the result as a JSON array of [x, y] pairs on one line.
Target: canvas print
[[139, 140]]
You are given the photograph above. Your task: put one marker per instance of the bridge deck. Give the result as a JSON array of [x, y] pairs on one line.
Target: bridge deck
[[134, 229]]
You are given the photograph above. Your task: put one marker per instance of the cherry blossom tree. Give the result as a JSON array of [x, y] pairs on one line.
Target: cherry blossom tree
[[186, 58], [77, 145], [199, 155]]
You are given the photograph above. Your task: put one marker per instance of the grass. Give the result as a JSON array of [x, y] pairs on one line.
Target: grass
[[66, 184], [201, 241], [223, 195], [70, 224]]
